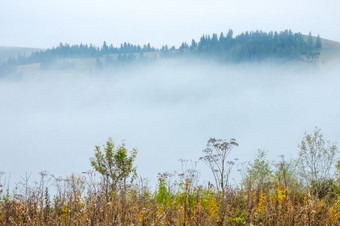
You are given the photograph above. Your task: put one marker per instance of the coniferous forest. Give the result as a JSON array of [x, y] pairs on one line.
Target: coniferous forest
[[255, 46]]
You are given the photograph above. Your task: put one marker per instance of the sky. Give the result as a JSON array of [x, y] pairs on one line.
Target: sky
[[46, 23]]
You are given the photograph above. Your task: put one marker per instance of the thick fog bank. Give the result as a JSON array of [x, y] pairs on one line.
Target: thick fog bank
[[168, 111]]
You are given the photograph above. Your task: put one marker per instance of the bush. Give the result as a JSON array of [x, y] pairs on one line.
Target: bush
[[316, 159], [115, 165]]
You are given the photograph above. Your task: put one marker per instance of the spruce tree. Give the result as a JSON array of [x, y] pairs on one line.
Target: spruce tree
[[318, 42]]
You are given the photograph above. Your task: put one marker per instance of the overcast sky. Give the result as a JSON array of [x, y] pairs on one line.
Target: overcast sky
[[46, 23]]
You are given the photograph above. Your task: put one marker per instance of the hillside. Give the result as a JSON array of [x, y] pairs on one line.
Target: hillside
[[330, 51], [7, 52], [286, 47]]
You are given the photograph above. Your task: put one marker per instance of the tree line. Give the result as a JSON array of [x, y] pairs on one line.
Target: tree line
[[246, 47], [255, 46]]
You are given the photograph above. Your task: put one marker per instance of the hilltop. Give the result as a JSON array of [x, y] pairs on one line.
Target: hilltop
[[258, 46], [330, 51]]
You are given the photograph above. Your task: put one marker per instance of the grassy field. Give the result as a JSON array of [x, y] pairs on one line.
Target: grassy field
[[330, 51], [267, 195]]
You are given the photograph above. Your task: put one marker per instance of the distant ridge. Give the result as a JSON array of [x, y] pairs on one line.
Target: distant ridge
[[330, 49], [258, 46], [9, 51]]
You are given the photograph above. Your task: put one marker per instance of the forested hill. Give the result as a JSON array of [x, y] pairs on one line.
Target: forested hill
[[247, 47], [256, 46]]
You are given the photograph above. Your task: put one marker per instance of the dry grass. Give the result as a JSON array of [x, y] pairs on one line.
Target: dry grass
[[265, 196], [80, 201]]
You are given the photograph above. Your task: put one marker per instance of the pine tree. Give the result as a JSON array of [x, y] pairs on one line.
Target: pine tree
[[318, 42], [310, 40]]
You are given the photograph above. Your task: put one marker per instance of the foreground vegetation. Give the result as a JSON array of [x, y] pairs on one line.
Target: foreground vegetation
[[305, 191]]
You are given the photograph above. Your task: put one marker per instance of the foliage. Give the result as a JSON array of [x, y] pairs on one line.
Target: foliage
[[316, 159], [258, 172], [275, 205], [162, 196], [115, 164], [338, 171], [286, 175]]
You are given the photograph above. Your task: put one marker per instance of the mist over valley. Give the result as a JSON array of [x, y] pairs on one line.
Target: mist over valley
[[167, 109]]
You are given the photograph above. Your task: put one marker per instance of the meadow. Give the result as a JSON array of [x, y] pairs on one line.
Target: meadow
[[287, 192]]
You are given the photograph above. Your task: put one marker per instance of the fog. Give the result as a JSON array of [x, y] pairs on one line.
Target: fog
[[53, 120]]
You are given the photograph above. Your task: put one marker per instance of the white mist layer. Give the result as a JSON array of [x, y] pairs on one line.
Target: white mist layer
[[168, 111]]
